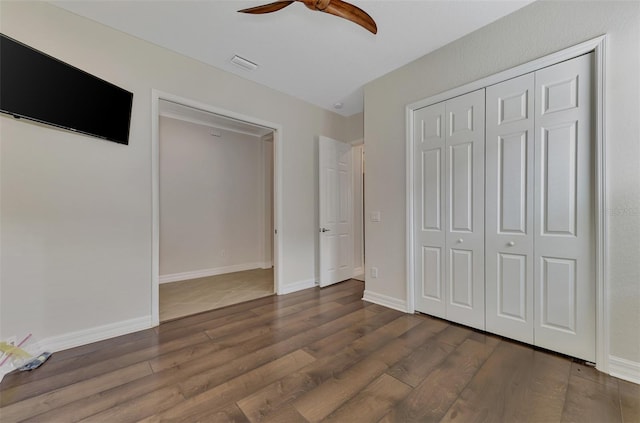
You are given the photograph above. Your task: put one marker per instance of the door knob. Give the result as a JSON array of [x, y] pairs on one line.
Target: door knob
[[324, 230], [511, 243], [460, 240]]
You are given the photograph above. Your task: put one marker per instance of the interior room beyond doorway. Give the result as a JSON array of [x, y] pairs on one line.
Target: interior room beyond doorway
[[216, 210], [184, 298]]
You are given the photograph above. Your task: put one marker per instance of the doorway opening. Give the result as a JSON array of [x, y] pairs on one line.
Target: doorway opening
[[215, 208]]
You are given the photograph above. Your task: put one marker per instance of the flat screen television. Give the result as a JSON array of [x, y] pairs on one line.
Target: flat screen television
[[38, 87]]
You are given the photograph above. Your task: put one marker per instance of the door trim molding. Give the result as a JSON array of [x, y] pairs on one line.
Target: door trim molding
[[156, 96], [598, 46], [357, 194]]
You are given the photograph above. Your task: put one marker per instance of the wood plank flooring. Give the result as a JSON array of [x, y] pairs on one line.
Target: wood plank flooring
[[315, 355]]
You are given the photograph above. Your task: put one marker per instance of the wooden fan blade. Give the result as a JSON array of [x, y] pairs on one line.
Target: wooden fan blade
[[268, 8], [353, 13]]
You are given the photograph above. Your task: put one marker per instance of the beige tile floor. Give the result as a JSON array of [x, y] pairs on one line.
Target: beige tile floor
[[179, 299]]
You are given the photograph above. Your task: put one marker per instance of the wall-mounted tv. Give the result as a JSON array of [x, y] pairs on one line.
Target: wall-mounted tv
[[38, 87]]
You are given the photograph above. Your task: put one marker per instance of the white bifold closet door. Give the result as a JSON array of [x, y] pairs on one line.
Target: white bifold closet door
[[509, 208], [429, 211], [540, 237], [449, 209], [564, 240]]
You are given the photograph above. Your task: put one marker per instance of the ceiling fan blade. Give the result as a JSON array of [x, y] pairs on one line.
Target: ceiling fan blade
[[353, 13], [268, 8]]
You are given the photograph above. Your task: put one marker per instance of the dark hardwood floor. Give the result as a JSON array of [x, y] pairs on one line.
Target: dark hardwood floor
[[315, 355]]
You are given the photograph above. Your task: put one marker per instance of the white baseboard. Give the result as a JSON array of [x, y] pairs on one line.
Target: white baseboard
[[194, 274], [297, 286], [98, 333], [266, 265], [385, 301], [83, 337], [624, 369]]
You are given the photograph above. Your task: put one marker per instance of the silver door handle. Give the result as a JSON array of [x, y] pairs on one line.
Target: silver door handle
[[324, 230], [511, 243]]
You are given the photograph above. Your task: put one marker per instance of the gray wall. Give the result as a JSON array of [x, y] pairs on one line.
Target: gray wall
[[532, 32]]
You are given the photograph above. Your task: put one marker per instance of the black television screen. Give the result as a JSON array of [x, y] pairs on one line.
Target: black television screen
[[39, 87]]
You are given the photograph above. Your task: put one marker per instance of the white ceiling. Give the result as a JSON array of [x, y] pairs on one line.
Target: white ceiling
[[310, 55]]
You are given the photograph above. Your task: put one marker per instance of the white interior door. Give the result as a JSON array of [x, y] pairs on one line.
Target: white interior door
[[336, 211], [464, 208], [564, 209], [509, 209]]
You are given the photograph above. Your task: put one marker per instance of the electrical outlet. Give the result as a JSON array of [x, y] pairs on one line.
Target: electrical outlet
[[374, 272], [223, 253]]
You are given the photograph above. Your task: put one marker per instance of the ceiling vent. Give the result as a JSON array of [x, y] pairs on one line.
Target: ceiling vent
[[244, 63]]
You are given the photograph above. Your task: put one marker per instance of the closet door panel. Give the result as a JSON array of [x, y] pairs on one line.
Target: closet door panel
[[431, 188], [564, 212], [464, 182], [429, 230], [558, 178], [461, 187], [512, 174], [512, 289], [461, 277], [509, 208]]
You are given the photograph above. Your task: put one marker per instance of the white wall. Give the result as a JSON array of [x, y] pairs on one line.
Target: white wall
[[211, 200], [532, 32], [353, 129], [75, 212]]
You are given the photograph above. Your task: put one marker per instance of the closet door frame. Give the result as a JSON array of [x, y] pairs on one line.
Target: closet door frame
[[598, 46]]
